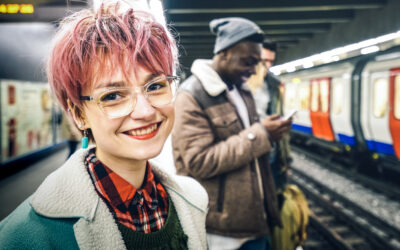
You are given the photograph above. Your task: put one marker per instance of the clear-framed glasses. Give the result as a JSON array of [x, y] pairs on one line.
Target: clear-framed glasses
[[116, 102]]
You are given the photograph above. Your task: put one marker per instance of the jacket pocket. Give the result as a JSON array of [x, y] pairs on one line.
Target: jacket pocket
[[227, 125]]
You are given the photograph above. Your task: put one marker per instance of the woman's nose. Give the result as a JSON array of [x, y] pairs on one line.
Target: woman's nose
[[143, 109]]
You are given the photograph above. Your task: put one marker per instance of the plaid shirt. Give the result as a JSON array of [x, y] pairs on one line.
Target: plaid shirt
[[143, 210]]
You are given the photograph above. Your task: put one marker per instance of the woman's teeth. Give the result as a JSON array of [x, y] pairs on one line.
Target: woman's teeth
[[143, 131]]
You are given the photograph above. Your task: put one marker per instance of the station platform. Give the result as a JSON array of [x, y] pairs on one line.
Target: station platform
[[15, 188]]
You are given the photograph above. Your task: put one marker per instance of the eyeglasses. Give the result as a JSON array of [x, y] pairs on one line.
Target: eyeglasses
[[120, 101]]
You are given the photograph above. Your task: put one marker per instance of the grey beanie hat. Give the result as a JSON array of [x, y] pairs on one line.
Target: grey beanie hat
[[232, 30]]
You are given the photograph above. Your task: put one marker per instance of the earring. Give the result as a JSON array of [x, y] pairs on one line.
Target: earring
[[85, 139]]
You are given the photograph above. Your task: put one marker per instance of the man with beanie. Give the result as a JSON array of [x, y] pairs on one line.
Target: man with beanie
[[219, 139]]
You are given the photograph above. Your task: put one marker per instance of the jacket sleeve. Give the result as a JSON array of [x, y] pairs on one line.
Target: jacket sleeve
[[195, 146], [25, 229]]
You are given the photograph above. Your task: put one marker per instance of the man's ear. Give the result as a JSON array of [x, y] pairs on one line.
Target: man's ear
[[224, 55], [78, 115]]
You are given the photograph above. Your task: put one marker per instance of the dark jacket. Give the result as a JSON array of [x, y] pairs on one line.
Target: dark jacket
[[281, 154], [211, 144]]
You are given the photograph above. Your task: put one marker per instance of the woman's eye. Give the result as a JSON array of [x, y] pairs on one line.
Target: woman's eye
[[111, 96], [156, 86]]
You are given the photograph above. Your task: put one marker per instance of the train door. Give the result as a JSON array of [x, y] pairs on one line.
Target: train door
[[319, 110], [377, 104], [394, 103], [302, 120], [340, 108], [297, 96]]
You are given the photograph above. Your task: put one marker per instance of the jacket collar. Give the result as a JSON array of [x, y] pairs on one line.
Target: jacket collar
[[69, 192], [209, 78]]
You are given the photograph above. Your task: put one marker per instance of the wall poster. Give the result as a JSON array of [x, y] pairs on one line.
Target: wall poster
[[25, 117]]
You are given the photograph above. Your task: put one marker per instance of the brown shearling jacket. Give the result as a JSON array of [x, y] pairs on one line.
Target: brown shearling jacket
[[211, 144]]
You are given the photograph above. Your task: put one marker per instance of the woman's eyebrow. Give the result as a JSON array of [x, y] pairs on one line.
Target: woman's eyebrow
[[148, 78], [111, 84]]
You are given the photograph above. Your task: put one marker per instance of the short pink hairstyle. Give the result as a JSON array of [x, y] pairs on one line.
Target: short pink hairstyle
[[90, 43]]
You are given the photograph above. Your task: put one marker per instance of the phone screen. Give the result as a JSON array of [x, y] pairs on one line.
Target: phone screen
[[289, 115]]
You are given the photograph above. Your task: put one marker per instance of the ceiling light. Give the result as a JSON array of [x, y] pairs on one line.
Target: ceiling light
[[364, 47], [370, 49]]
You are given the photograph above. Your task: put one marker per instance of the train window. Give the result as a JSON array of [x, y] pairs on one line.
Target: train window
[[290, 96], [324, 88], [380, 97], [397, 97], [337, 96], [314, 96], [304, 96]]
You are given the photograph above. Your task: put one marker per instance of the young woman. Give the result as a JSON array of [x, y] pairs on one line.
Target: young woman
[[112, 71]]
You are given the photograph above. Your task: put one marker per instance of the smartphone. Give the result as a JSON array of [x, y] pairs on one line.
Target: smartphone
[[289, 115]]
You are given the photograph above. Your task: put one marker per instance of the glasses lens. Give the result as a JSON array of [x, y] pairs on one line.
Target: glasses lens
[[119, 102], [162, 91], [116, 102]]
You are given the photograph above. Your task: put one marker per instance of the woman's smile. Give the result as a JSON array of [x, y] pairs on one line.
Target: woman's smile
[[145, 132]]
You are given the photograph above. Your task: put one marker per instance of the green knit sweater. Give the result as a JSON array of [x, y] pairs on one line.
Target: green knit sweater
[[169, 237]]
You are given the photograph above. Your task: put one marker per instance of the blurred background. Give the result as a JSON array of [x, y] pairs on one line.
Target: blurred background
[[338, 63]]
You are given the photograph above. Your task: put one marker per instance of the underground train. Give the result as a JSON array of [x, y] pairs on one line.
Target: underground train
[[350, 110]]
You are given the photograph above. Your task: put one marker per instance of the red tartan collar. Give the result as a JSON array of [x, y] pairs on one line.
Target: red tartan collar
[[116, 190]]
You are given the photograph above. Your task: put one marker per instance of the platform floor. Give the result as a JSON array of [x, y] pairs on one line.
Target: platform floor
[[16, 188]]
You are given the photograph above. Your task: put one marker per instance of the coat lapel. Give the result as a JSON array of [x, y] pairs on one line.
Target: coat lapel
[[100, 233], [67, 193], [191, 211]]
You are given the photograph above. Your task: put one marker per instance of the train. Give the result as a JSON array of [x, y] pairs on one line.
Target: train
[[349, 111]]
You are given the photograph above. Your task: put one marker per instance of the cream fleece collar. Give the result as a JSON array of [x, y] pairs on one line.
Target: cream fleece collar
[[70, 185], [210, 79], [69, 193]]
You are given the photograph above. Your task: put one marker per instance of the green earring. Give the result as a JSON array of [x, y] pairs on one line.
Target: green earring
[[85, 139]]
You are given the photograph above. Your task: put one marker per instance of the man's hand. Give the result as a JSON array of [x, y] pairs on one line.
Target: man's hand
[[276, 127]]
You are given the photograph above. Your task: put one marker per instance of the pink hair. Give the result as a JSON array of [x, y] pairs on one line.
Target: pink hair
[[89, 44]]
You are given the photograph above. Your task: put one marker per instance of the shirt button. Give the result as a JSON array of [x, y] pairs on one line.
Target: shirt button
[[251, 136]]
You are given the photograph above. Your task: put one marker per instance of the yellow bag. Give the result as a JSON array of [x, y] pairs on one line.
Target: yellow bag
[[294, 215]]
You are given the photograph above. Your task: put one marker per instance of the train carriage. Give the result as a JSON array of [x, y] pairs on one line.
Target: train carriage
[[350, 109], [322, 98], [379, 122]]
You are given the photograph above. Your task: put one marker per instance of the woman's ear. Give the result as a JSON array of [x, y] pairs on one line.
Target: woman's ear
[[77, 115]]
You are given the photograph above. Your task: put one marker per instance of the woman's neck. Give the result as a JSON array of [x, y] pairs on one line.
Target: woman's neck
[[133, 171]]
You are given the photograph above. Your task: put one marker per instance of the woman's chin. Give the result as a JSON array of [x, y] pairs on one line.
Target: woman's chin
[[147, 153]]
